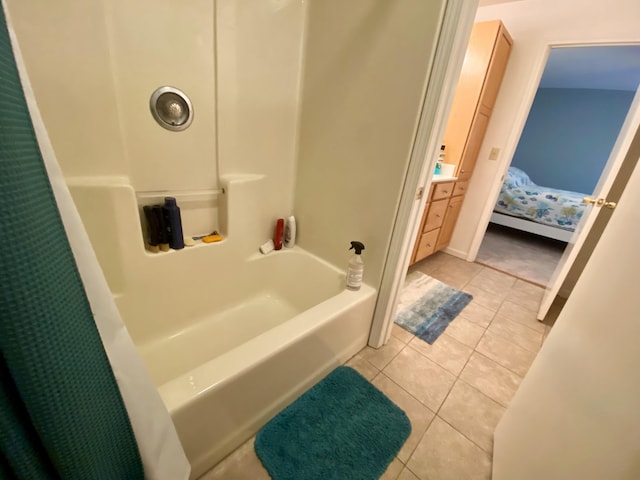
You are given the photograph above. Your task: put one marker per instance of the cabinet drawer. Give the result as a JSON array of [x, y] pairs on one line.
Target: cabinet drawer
[[427, 244], [460, 189], [442, 190], [435, 215]]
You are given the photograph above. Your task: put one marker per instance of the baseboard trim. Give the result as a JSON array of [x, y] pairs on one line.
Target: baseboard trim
[[456, 253]]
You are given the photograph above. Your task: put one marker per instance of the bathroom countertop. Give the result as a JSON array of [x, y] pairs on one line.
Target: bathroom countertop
[[443, 178]]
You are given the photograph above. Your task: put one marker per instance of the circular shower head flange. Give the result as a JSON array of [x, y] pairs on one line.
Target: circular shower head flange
[[171, 108]]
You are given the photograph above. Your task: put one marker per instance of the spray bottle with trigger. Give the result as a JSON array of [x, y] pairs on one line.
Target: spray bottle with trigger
[[356, 267]]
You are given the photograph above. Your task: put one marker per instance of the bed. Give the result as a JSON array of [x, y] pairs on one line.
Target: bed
[[545, 211]]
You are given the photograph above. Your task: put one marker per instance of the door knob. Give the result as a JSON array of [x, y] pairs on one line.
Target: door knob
[[599, 202]]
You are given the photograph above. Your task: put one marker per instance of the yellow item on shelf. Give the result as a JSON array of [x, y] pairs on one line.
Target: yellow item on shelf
[[212, 238]]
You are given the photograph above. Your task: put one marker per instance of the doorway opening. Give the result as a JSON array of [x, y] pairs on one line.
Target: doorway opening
[[582, 100]]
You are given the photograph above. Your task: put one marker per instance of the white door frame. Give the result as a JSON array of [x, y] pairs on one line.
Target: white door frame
[[516, 133], [452, 44]]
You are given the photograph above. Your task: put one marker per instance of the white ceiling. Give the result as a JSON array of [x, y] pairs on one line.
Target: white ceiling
[[603, 67]]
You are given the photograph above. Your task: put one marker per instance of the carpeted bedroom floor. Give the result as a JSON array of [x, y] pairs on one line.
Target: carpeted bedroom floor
[[521, 254]]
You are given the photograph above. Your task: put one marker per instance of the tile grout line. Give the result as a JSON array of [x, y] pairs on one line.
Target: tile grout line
[[404, 464], [526, 280], [419, 402], [505, 299], [504, 337], [520, 323]]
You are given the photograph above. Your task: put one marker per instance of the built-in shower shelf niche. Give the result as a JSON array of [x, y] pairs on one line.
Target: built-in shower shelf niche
[[199, 210]]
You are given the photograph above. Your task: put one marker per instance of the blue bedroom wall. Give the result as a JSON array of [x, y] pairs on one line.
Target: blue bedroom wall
[[569, 134]]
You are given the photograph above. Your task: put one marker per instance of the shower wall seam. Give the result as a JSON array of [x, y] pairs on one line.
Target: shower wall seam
[[109, 32], [301, 75]]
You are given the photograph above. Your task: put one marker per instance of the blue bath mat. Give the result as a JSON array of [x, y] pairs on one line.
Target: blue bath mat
[[342, 428], [427, 306]]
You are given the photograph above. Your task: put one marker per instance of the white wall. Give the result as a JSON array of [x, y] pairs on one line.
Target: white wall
[[364, 78], [533, 24]]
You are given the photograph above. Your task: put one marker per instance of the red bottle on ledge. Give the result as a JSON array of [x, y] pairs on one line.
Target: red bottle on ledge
[[278, 234]]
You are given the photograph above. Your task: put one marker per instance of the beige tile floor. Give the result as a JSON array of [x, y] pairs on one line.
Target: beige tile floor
[[454, 391]]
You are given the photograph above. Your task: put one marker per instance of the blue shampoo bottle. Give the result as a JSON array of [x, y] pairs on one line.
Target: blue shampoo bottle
[[174, 223]]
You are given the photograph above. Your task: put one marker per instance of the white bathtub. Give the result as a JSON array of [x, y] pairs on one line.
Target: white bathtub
[[229, 336], [228, 373]]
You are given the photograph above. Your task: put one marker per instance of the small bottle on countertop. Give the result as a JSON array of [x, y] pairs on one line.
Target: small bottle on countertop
[[355, 269], [440, 161]]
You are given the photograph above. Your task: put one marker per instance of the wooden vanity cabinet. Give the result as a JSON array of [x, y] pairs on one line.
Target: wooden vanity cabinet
[[433, 218], [480, 79]]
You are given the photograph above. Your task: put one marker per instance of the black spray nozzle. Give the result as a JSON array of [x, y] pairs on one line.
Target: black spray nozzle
[[358, 246]]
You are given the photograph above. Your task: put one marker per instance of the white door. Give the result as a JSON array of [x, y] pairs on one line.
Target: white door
[[575, 415], [609, 174]]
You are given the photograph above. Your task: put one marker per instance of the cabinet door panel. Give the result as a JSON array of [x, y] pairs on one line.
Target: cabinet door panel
[[496, 69], [460, 189], [446, 231], [472, 148], [422, 223]]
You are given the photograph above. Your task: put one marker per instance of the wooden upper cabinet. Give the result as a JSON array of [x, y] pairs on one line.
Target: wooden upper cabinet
[[498, 65], [482, 72], [474, 142]]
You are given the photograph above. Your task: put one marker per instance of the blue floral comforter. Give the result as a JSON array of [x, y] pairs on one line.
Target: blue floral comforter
[[520, 197]]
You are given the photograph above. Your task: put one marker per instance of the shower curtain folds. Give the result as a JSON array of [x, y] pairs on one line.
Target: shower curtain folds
[[75, 401]]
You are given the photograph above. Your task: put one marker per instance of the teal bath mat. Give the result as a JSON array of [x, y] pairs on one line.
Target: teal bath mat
[[427, 306], [342, 428]]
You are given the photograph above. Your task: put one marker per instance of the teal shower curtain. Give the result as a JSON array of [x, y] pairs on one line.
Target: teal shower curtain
[[62, 413]]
